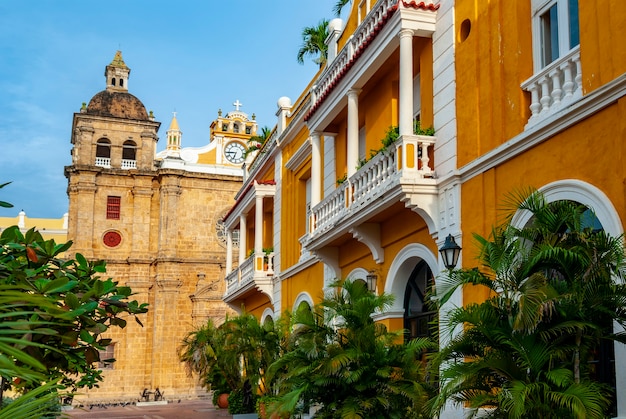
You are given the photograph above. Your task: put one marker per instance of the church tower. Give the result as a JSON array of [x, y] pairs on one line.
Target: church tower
[[157, 223]]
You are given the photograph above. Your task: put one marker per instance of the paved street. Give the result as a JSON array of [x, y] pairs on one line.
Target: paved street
[[186, 409]]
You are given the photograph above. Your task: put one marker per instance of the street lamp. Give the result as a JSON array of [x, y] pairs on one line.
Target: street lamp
[[370, 280], [450, 252]]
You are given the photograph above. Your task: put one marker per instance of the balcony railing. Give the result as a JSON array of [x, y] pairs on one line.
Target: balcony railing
[[407, 161], [255, 269], [129, 164], [103, 162], [554, 87], [355, 46]]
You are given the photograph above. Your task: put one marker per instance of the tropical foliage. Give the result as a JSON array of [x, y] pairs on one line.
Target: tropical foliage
[[313, 43], [53, 313], [555, 288], [340, 5], [349, 366], [234, 358], [256, 142]]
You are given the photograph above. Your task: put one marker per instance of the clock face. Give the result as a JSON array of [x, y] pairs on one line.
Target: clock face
[[234, 152]]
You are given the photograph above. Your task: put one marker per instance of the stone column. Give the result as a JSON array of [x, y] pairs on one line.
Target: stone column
[[167, 370]]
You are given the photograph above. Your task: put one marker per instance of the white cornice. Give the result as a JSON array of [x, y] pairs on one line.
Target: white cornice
[[300, 155]]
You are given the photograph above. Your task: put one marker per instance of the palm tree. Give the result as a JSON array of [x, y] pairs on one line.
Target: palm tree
[[340, 5], [349, 365], [553, 294], [256, 142], [313, 43]]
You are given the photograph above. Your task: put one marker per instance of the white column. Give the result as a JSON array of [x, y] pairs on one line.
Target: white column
[[229, 251], [330, 172], [316, 169], [258, 225], [405, 112], [242, 238], [353, 131]]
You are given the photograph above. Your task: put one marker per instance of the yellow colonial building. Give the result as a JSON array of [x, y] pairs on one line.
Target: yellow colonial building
[[50, 228], [157, 221], [522, 93]]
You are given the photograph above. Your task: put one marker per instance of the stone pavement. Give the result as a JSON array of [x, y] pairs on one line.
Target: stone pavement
[[185, 409]]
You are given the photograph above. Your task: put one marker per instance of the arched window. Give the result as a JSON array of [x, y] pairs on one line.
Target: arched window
[[419, 314], [235, 128], [103, 153], [113, 81], [129, 151], [121, 82]]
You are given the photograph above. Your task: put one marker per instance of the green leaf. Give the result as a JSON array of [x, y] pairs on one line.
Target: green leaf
[[85, 336]]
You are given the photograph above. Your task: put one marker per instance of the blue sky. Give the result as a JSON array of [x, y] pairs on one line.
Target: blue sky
[[192, 57]]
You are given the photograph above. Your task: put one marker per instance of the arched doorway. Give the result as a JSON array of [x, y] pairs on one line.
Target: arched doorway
[[420, 315]]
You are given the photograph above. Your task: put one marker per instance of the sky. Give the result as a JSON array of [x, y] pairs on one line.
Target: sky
[[188, 57]]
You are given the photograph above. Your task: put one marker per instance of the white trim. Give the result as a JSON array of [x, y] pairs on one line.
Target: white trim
[[590, 104], [399, 271], [583, 193], [267, 313], [303, 297]]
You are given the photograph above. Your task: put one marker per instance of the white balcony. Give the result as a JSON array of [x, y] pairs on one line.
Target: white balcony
[[129, 164], [103, 162], [254, 274], [402, 174], [554, 87]]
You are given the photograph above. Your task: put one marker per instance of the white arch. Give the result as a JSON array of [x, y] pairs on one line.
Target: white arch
[[581, 192], [400, 270], [303, 297], [268, 312], [357, 273]]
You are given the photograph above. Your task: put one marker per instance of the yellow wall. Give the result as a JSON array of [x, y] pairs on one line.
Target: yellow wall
[[581, 152], [311, 280], [602, 24], [490, 66]]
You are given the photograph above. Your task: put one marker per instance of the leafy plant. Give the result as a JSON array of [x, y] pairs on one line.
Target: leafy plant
[[338, 358], [234, 358], [53, 313], [3, 203], [553, 300], [313, 43], [342, 179]]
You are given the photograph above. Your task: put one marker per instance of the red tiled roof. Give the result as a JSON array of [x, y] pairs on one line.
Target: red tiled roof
[[421, 5], [359, 51]]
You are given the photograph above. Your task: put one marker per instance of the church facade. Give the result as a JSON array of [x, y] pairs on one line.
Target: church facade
[[156, 220]]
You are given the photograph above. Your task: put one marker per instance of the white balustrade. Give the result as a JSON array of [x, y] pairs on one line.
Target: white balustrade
[[103, 162], [376, 177], [129, 164], [355, 46], [554, 87]]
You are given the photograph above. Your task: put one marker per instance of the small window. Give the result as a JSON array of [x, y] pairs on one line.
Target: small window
[[556, 29], [121, 82], [236, 128], [107, 356], [224, 127], [113, 207], [113, 81], [248, 129], [103, 148], [129, 150]]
